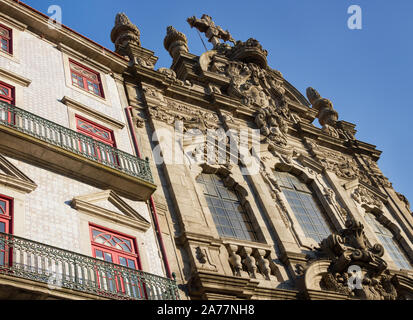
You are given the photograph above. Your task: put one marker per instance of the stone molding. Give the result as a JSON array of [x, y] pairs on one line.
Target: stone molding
[[15, 77], [131, 217], [15, 178], [71, 103]]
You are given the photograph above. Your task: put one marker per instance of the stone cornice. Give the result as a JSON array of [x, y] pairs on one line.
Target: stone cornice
[[220, 101], [14, 23], [14, 178], [131, 218], [203, 283], [15, 77], [96, 114], [186, 237]]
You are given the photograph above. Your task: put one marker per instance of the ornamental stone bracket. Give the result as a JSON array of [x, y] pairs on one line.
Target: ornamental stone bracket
[[341, 252]]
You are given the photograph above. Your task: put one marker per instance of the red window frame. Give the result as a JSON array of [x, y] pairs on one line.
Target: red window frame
[[6, 226], [6, 214], [6, 39], [92, 130], [86, 79], [7, 93], [101, 250], [90, 133]]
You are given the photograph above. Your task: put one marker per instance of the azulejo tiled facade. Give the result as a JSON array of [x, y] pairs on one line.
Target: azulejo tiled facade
[[111, 188]]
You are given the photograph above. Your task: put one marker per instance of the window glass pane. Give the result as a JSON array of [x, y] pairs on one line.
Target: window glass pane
[[389, 243], [108, 257], [303, 203], [229, 216], [85, 79], [5, 45], [122, 261], [4, 91], [3, 207], [131, 264], [99, 254]]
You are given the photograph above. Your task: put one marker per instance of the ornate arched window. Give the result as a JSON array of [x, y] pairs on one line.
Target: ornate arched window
[[229, 215], [389, 243], [305, 206]]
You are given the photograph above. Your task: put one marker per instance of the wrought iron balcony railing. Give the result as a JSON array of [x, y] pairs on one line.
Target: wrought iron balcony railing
[[73, 141], [65, 269]]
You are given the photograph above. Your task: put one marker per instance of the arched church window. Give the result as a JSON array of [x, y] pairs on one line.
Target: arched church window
[[229, 215], [305, 206], [389, 243]]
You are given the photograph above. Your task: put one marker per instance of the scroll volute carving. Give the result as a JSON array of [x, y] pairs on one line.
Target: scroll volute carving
[[351, 248]]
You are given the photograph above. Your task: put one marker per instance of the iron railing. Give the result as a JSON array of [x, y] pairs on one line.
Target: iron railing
[[60, 268], [73, 141]]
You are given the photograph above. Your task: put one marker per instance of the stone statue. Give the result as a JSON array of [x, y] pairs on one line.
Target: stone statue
[[213, 33]]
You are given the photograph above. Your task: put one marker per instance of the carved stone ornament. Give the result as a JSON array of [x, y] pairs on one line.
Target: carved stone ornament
[[331, 198], [365, 197], [351, 248], [255, 85], [342, 166], [192, 118], [275, 191], [175, 42], [328, 116], [172, 76], [261, 89], [213, 33], [203, 259], [124, 32]]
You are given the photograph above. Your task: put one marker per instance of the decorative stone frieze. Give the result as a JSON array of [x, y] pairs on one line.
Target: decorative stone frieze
[[191, 117], [365, 197]]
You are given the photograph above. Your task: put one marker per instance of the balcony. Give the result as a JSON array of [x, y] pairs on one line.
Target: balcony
[[41, 142], [60, 268]]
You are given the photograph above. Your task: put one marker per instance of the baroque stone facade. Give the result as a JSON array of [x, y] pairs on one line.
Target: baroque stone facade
[[232, 87], [312, 215]]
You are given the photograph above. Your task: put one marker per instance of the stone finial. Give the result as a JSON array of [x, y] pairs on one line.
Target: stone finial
[[312, 95], [213, 33], [175, 42], [124, 32], [327, 116]]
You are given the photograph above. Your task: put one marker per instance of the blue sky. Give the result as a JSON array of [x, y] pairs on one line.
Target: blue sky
[[366, 73]]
